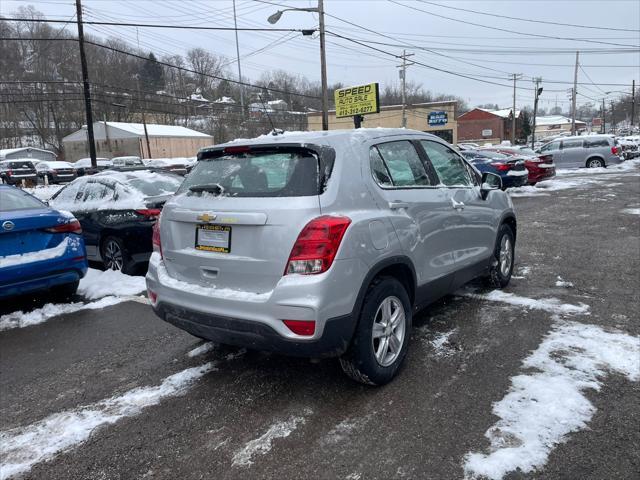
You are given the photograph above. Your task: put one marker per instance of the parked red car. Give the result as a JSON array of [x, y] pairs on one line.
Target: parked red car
[[540, 167]]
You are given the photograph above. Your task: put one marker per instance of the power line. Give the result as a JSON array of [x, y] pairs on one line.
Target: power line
[[506, 30], [531, 20]]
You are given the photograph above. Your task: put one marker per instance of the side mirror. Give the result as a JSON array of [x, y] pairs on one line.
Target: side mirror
[[490, 181]]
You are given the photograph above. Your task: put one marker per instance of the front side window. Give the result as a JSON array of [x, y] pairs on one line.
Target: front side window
[[550, 147], [398, 164], [450, 168]]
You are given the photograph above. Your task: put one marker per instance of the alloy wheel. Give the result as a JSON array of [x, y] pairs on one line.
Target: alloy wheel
[[505, 256], [113, 256], [595, 163], [387, 334]]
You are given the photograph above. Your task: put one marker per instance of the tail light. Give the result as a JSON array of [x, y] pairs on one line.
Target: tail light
[[501, 166], [9, 172], [301, 327], [155, 238], [546, 158], [149, 213], [615, 150], [317, 245], [70, 227]]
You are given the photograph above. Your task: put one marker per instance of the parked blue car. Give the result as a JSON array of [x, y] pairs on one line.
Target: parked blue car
[[513, 172], [40, 248]]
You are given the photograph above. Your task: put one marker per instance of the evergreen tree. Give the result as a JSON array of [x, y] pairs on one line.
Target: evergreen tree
[[151, 74]]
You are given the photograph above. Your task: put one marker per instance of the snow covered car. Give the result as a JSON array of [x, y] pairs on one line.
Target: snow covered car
[[56, 172], [117, 211], [176, 166], [127, 162], [40, 248], [83, 166]]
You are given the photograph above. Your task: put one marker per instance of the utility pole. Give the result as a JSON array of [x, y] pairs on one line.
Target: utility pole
[[514, 77], [574, 94], [633, 102], [537, 93], [235, 23], [106, 133], [87, 88], [403, 77], [323, 69], [613, 119], [146, 135], [604, 121]]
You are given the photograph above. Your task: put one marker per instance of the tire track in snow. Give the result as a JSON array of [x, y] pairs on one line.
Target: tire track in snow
[[543, 407]]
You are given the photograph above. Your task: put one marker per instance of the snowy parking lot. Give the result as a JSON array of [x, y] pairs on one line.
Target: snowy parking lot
[[538, 381]]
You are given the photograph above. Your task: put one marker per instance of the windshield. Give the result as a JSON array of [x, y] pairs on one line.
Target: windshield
[[18, 164], [273, 172], [14, 199]]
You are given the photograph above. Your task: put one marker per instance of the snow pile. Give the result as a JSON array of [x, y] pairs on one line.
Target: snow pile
[[563, 283], [43, 192], [23, 447], [263, 444], [626, 166], [224, 293], [552, 185], [50, 310], [202, 349], [544, 406], [552, 305], [40, 255], [97, 284], [441, 345], [632, 211]]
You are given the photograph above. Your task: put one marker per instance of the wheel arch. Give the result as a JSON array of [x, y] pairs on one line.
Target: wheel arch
[[399, 267], [598, 156], [510, 220]]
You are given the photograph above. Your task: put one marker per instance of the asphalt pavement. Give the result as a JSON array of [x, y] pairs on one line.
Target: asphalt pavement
[[256, 415]]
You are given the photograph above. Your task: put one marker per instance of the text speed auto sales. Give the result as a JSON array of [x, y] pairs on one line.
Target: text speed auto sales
[[357, 100]]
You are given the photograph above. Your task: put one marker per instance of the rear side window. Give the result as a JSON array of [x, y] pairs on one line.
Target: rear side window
[[282, 172], [14, 199], [397, 164], [450, 168], [596, 142], [577, 143]]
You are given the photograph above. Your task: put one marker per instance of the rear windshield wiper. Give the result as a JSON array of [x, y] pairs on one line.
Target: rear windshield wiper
[[209, 187]]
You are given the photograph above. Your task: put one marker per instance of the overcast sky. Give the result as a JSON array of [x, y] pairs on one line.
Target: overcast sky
[[454, 46]]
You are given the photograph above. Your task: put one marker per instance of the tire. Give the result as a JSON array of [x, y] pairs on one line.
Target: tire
[[595, 163], [504, 253], [374, 361], [115, 256], [64, 293]]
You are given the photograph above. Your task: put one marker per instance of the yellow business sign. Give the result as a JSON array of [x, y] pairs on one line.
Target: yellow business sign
[[359, 100]]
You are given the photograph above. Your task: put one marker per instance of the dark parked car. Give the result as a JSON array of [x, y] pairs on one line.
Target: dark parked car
[[540, 167], [117, 211], [56, 172], [14, 171], [512, 171], [83, 166], [169, 165]]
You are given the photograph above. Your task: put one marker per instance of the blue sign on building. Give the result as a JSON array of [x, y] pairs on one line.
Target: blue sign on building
[[437, 118]]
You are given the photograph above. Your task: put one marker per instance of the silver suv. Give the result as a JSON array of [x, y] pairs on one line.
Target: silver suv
[[589, 151], [326, 243]]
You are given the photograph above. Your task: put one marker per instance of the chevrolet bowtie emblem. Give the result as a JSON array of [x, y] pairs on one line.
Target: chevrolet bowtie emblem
[[205, 217]]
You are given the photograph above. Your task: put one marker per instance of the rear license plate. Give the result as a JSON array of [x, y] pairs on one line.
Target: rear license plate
[[213, 238]]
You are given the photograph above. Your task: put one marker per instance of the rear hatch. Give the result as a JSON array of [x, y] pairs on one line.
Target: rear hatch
[[21, 169], [238, 213]]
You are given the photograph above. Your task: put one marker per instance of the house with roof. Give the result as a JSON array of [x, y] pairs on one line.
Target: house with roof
[[115, 139], [553, 125], [488, 126], [27, 152]]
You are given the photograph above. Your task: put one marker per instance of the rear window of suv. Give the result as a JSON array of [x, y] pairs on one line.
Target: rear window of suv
[[273, 172]]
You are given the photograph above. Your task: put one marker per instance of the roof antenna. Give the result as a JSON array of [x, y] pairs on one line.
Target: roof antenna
[[274, 131]]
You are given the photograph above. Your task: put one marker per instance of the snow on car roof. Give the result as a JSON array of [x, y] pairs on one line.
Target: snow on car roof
[[56, 164]]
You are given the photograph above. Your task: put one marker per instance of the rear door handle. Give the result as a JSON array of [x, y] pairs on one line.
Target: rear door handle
[[457, 205], [395, 205]]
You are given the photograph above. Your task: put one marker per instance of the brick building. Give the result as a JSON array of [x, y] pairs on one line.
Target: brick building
[[487, 126]]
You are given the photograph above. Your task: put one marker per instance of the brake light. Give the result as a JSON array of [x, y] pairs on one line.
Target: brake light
[[155, 238], [301, 327], [317, 245], [546, 158], [614, 150], [9, 172], [71, 227], [149, 213], [501, 166]]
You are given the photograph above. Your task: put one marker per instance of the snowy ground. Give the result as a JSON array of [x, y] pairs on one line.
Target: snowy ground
[[540, 380]]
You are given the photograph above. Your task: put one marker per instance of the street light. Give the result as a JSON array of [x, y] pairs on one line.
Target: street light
[[323, 60]]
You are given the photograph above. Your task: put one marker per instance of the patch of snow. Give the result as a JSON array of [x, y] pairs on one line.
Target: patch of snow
[[632, 211], [50, 310], [626, 166], [202, 349], [227, 293], [344, 429], [262, 445], [552, 305], [543, 407], [40, 255], [563, 283], [522, 272], [97, 284], [441, 345], [23, 447]]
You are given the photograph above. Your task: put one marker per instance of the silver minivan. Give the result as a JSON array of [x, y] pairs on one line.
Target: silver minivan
[[589, 151], [325, 243]]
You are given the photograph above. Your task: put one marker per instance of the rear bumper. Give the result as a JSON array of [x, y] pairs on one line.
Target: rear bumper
[[509, 181], [256, 320], [256, 335], [45, 282], [538, 174]]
